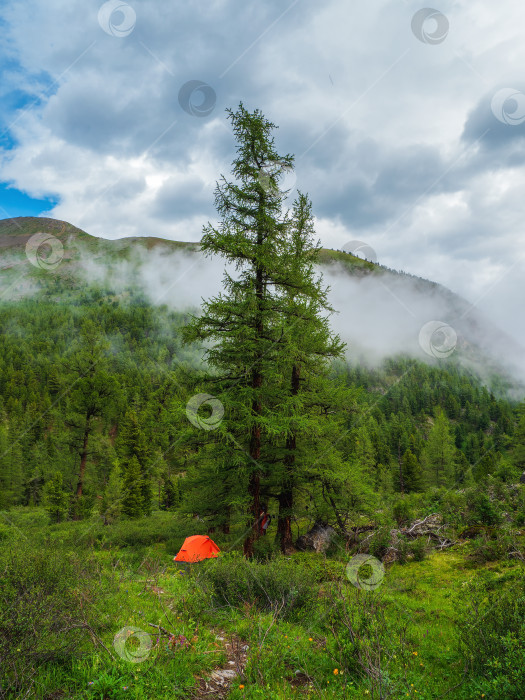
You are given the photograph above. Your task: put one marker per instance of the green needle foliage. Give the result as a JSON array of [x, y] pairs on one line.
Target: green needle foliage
[[271, 339]]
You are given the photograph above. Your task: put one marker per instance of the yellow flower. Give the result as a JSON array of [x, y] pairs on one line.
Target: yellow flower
[[415, 653], [336, 671], [310, 639], [241, 687]]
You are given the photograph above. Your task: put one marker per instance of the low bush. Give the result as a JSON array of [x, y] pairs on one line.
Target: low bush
[[418, 548], [402, 512], [46, 610], [320, 567], [379, 543], [278, 585], [492, 635], [495, 547]]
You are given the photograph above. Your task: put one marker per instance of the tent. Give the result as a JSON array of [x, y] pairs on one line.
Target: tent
[[196, 548]]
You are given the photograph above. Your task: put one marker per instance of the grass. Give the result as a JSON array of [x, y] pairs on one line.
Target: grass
[[321, 649]]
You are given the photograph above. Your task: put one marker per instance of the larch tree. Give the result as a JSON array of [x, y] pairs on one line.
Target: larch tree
[[439, 452], [91, 389], [243, 321]]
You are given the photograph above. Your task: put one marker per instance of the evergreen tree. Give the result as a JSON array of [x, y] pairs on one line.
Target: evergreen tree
[[111, 505], [439, 452], [244, 322], [132, 486], [170, 493], [132, 442], [412, 472], [90, 390], [307, 347], [56, 499], [518, 449], [10, 469]]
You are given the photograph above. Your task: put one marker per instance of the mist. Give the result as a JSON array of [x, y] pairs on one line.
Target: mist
[[378, 315]]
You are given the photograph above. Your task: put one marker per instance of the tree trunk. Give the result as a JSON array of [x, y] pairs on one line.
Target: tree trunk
[[284, 522], [83, 458], [254, 486], [225, 527], [254, 490], [399, 461], [285, 498]]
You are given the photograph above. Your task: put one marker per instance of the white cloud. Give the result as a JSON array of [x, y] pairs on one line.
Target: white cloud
[[375, 117]]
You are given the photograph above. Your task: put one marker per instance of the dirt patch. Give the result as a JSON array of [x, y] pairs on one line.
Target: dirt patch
[[219, 681]]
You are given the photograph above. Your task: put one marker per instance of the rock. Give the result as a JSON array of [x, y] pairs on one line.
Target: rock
[[318, 538], [222, 676]]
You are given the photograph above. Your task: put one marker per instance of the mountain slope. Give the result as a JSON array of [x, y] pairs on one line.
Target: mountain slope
[[380, 312]]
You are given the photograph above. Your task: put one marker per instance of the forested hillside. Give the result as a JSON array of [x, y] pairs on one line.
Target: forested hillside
[[88, 368]]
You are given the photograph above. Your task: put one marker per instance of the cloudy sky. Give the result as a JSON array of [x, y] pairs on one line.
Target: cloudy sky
[[407, 123]]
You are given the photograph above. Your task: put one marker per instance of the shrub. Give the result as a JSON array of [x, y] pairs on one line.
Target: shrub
[[366, 637], [45, 610], [379, 543], [492, 635], [402, 512], [500, 546], [485, 511], [320, 567], [418, 549], [278, 585], [56, 498]]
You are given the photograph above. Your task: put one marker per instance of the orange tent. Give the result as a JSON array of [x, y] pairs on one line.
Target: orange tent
[[196, 548]]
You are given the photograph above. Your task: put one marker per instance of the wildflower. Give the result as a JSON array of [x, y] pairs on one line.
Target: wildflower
[[336, 671], [241, 687], [415, 653], [310, 639]]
